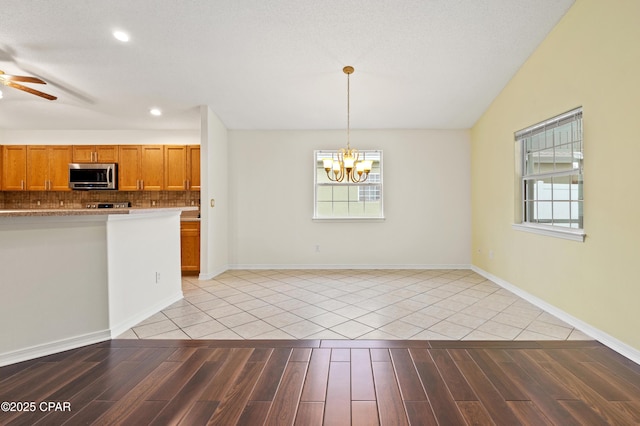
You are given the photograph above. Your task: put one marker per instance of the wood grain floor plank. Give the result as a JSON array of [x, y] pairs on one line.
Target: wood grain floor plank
[[552, 386], [457, 384], [474, 413], [285, 404], [310, 414], [315, 386], [255, 413], [390, 407], [529, 414], [419, 413], [340, 355], [143, 365], [88, 414], [337, 410], [364, 413], [483, 388], [407, 376], [199, 414], [606, 384], [229, 370], [188, 367], [182, 401], [587, 394], [502, 382], [526, 380], [301, 355], [362, 388], [129, 402], [230, 408], [624, 370], [267, 385], [380, 355], [563, 383], [631, 408]]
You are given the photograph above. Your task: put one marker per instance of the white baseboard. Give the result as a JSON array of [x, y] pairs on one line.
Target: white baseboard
[[347, 266], [125, 325], [49, 348], [213, 274], [622, 348]]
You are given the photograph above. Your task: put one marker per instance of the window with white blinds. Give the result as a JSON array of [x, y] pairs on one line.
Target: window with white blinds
[[552, 172]]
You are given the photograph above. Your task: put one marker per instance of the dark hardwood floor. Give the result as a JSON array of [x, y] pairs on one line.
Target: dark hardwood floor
[[337, 382]]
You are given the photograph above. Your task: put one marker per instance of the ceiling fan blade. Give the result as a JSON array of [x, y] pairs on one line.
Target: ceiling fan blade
[[21, 78], [28, 89]]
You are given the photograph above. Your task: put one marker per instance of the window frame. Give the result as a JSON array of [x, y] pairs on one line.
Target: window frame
[[316, 185], [523, 176]]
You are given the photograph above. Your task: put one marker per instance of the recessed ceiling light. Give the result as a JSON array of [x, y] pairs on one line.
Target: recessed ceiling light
[[155, 111], [121, 35]]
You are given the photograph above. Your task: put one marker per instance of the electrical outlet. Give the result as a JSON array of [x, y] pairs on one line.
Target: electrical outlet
[[317, 248], [153, 202], [157, 277], [61, 203], [38, 203]]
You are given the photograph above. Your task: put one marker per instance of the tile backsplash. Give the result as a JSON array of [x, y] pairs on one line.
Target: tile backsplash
[[79, 199]]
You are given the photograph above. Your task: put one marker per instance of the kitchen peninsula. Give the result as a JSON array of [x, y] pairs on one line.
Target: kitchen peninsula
[[74, 277]]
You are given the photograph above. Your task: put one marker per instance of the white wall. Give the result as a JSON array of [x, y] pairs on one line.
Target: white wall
[[426, 198], [214, 223], [143, 266], [100, 137], [53, 284]]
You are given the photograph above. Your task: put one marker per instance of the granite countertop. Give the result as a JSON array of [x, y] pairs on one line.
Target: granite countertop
[[89, 212]]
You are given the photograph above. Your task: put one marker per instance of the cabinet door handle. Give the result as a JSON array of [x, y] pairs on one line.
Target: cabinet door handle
[[22, 185], [188, 184], [141, 184]]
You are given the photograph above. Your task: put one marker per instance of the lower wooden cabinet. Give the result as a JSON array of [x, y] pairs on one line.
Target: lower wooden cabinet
[[190, 247]]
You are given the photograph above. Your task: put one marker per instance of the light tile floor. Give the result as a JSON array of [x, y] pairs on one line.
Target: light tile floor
[[351, 304]]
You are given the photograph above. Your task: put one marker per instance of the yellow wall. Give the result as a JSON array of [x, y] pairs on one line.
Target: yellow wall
[[590, 59]]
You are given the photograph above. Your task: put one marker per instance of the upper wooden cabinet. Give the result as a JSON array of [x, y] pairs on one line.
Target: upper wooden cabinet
[[193, 167], [182, 167], [175, 167], [14, 170], [95, 153], [141, 167], [48, 167]]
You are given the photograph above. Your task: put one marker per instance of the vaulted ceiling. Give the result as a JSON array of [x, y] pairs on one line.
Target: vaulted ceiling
[[265, 64]]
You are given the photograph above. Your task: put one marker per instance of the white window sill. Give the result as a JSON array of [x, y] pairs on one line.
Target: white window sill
[[348, 219], [551, 231]]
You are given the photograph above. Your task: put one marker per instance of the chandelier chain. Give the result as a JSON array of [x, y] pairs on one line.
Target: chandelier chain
[[348, 112]]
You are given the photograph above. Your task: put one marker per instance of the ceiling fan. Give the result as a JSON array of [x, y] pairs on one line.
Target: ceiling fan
[[10, 81]]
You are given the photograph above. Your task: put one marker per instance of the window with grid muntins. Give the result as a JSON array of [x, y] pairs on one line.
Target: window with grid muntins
[[348, 200], [552, 171]]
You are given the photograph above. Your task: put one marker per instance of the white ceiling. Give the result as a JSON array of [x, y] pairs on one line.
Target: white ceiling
[[265, 64]]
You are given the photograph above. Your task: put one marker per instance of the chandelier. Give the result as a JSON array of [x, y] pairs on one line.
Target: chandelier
[[347, 166]]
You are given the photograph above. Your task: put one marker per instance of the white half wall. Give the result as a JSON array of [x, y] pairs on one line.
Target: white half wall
[[426, 199], [143, 266], [53, 282]]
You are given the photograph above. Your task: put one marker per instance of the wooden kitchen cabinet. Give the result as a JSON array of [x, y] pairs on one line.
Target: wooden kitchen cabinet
[[14, 170], [141, 167], [193, 167], [182, 167], [95, 153], [175, 167], [190, 247], [48, 167]]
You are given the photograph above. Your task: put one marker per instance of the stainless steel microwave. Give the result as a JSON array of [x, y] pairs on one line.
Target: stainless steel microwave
[[93, 176]]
